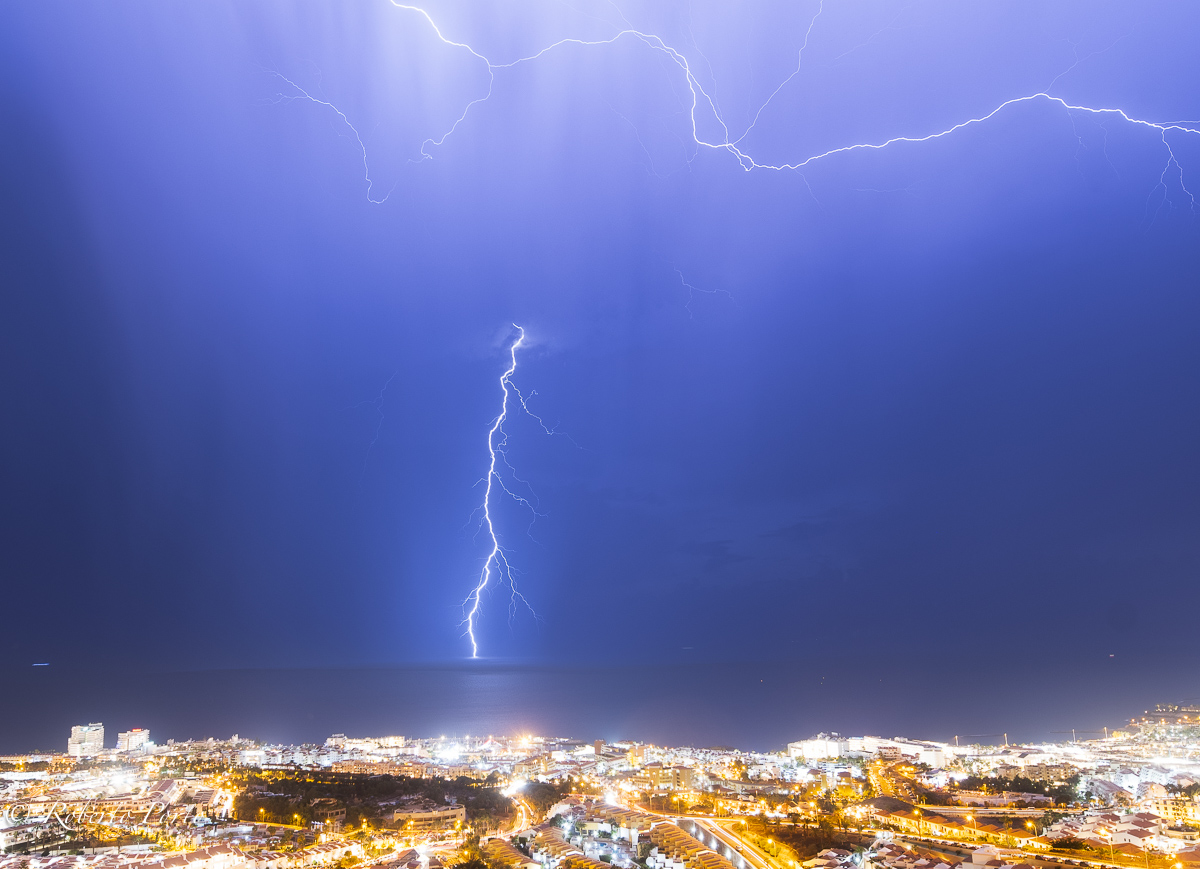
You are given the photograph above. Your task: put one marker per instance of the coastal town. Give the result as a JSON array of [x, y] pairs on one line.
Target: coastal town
[[1129, 797]]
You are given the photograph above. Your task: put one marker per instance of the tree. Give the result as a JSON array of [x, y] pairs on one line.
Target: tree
[[825, 802], [542, 795], [1071, 844], [469, 851]]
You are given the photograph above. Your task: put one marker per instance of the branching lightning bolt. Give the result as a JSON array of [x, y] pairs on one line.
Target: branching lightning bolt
[[702, 102], [692, 290], [497, 439], [300, 93]]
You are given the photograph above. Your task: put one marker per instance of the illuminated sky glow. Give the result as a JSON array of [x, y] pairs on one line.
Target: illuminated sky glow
[[703, 102], [858, 309]]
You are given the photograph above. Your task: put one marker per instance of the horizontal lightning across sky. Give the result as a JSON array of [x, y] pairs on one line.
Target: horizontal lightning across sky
[[703, 114], [704, 106]]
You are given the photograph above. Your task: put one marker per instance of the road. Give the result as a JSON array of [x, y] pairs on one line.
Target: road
[[984, 812], [889, 783], [744, 854], [521, 822], [724, 831], [722, 839], [524, 816]]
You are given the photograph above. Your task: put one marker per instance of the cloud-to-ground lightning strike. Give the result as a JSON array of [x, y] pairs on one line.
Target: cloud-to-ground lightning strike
[[497, 559], [703, 101]]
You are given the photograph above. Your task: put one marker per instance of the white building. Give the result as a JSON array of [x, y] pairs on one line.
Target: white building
[[137, 739], [827, 747], [820, 747], [252, 757], [426, 816], [87, 740], [932, 757]]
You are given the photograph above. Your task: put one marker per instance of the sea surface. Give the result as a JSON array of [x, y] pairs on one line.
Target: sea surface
[[751, 705]]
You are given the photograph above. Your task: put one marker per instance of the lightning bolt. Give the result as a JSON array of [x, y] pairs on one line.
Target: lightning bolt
[[692, 290], [377, 403], [704, 104], [497, 560]]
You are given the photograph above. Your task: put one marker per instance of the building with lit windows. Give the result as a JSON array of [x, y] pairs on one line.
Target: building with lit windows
[[87, 740], [137, 739]]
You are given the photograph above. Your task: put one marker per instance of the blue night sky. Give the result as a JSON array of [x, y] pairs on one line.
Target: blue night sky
[[939, 397]]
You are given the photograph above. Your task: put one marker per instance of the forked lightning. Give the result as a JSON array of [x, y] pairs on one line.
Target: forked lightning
[[704, 108], [497, 559]]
